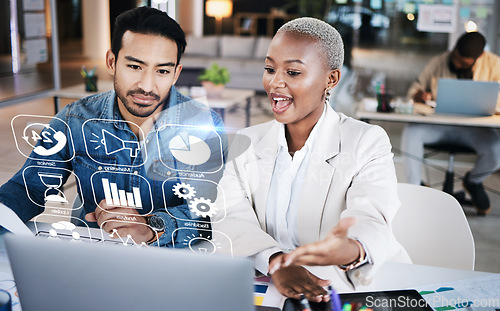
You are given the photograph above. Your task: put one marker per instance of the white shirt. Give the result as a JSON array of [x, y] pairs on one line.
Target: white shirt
[[284, 195]]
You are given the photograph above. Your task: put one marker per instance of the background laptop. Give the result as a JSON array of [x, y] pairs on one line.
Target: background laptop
[[60, 275], [467, 97]]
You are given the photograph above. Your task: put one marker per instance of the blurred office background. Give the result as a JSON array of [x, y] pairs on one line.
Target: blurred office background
[[383, 38], [44, 43]]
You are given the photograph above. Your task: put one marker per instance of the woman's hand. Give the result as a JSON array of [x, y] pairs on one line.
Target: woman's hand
[[335, 249], [295, 280]]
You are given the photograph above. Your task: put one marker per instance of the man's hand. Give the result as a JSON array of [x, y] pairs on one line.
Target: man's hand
[[295, 280], [422, 96], [335, 249], [111, 218]]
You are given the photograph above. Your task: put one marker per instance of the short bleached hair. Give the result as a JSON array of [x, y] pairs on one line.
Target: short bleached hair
[[326, 34]]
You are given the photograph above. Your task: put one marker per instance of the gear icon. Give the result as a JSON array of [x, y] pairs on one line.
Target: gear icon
[[202, 207], [184, 191]]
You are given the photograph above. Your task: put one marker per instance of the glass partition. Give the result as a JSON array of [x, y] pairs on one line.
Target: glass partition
[[390, 41], [26, 58]]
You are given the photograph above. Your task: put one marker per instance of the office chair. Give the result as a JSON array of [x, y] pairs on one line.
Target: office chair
[[451, 149], [433, 229]]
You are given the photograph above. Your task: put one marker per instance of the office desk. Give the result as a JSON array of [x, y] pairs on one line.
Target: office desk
[[391, 275], [229, 97], [78, 91], [397, 276], [394, 275], [441, 119]]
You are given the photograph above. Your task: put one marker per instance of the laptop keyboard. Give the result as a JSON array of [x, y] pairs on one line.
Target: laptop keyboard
[[84, 239]]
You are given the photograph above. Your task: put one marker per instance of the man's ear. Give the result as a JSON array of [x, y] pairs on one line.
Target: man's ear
[[110, 62], [178, 70], [333, 78]]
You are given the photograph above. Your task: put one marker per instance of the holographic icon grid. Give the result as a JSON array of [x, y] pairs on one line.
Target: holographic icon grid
[[177, 161]]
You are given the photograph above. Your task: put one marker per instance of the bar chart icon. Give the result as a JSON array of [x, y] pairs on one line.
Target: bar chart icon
[[119, 197]]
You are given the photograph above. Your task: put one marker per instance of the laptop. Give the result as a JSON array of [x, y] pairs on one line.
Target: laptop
[[477, 98], [61, 275]]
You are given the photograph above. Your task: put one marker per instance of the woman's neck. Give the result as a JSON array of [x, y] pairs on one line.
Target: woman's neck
[[295, 137], [296, 134]]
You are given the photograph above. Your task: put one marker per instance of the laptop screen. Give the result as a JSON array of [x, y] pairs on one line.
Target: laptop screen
[[65, 275], [477, 98]]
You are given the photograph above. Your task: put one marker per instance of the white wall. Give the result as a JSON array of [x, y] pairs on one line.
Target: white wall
[[190, 16], [96, 30]]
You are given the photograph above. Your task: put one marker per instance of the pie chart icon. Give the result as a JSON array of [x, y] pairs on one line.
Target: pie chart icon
[[189, 149]]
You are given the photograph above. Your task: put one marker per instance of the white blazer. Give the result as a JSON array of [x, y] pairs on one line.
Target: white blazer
[[351, 174]]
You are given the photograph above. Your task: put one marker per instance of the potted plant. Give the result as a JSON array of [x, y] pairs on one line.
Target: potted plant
[[214, 79]]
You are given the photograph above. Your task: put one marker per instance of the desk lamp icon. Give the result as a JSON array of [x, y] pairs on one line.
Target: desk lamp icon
[[53, 182], [113, 144]]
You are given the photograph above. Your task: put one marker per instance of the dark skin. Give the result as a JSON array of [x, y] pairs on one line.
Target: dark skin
[[460, 62], [336, 248], [296, 79]]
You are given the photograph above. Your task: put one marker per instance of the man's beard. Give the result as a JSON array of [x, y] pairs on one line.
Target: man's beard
[[136, 109], [461, 73]]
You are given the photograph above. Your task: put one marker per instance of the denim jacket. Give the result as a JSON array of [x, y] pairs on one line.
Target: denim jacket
[[172, 171]]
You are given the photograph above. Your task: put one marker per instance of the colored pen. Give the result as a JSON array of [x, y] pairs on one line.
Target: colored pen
[[334, 299], [304, 303]]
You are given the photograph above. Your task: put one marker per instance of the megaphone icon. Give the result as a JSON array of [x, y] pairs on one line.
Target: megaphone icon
[[113, 143]]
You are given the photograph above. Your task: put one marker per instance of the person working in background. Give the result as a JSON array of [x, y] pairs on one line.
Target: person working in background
[[118, 145], [467, 60], [310, 174]]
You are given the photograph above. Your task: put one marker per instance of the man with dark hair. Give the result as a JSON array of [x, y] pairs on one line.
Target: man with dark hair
[[467, 60], [144, 20], [133, 151]]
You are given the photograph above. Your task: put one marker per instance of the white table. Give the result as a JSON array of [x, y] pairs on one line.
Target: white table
[[78, 91], [416, 117], [391, 276], [229, 97]]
